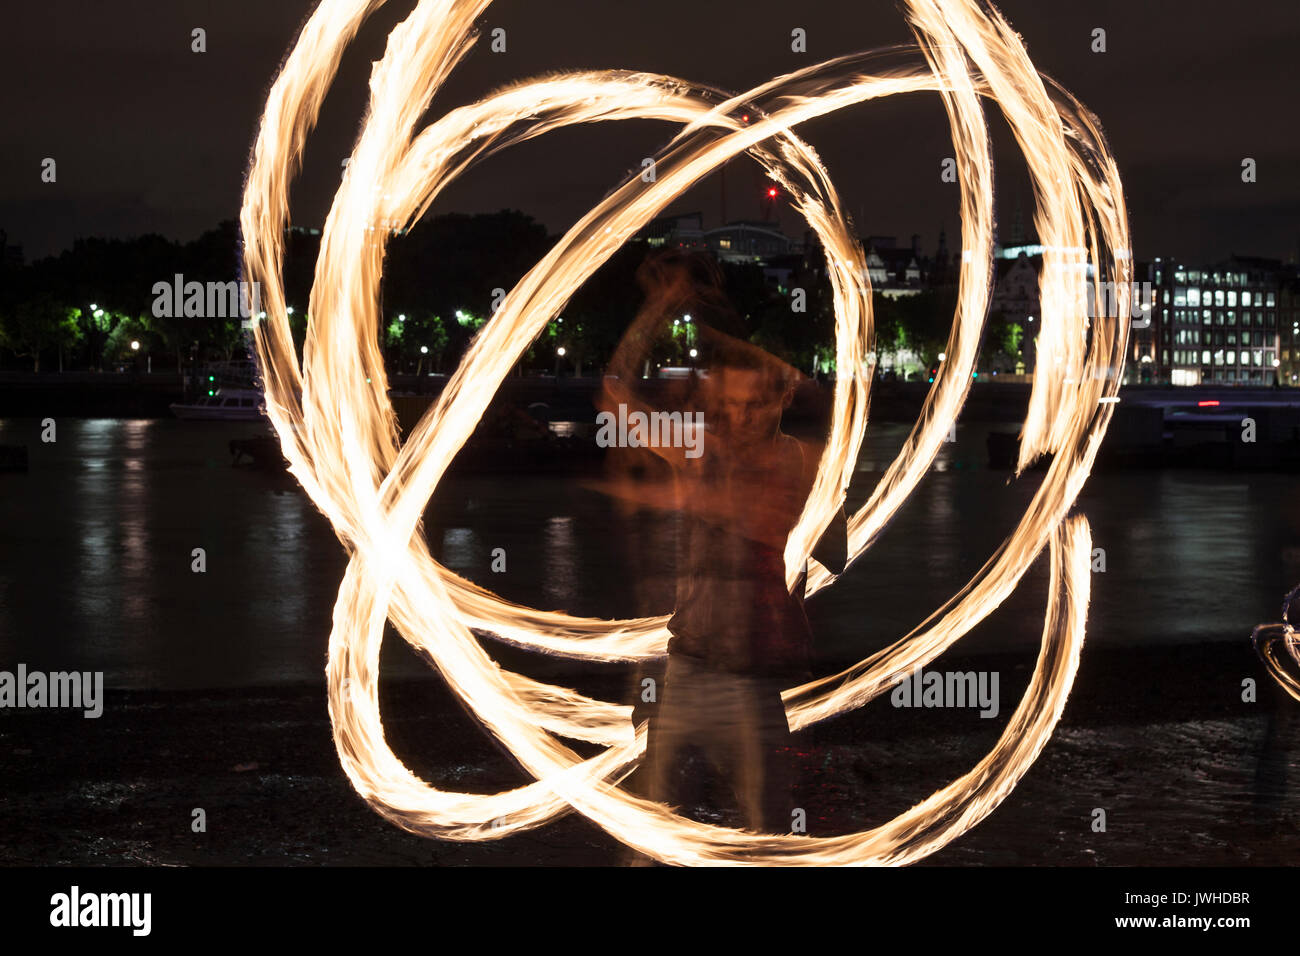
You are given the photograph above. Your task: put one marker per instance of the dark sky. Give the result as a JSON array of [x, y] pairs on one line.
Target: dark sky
[[150, 137]]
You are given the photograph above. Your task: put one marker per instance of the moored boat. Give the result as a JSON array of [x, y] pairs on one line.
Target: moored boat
[[224, 404]]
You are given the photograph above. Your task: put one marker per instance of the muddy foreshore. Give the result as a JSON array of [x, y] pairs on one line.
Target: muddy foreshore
[[1187, 773]]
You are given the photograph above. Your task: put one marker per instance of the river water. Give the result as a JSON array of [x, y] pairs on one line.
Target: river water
[[96, 569], [96, 573]]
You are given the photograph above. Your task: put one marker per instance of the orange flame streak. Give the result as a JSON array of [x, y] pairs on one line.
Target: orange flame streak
[[1279, 648], [339, 434], [1275, 643]]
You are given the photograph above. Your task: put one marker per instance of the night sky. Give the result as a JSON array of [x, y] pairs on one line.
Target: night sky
[[151, 137]]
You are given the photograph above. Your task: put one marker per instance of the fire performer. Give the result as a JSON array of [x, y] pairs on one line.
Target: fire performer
[[739, 636]]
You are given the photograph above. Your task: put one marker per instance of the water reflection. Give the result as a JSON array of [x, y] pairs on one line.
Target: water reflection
[[562, 561], [460, 548], [96, 568]]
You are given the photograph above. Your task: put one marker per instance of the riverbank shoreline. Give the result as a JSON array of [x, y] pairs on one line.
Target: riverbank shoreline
[[1187, 772]]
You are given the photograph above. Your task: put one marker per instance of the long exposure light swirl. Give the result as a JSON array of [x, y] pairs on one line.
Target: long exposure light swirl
[[339, 434]]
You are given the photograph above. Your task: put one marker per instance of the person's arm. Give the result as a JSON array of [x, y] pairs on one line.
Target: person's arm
[[615, 392], [665, 290], [620, 384]]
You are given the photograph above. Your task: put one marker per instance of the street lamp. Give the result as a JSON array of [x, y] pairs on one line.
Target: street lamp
[[135, 345]]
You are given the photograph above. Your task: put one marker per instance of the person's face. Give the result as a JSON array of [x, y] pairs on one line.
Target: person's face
[[747, 406]]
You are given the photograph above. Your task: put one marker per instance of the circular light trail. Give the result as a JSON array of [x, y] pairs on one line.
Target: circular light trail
[[339, 434]]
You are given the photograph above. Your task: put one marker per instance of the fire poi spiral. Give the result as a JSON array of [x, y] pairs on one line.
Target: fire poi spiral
[[1274, 643], [339, 434]]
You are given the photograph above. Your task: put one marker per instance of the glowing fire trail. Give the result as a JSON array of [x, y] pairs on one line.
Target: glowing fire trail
[[339, 434], [1272, 641]]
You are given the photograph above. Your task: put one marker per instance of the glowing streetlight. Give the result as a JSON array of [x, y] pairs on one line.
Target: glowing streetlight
[[560, 351], [289, 310], [424, 350], [135, 345], [694, 353], [943, 356]]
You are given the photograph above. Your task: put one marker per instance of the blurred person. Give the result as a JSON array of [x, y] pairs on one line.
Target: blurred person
[[739, 635]]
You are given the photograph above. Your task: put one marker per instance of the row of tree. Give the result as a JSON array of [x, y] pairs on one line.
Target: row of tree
[[85, 308]]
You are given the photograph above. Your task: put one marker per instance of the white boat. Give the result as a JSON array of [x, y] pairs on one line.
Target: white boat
[[225, 404]]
